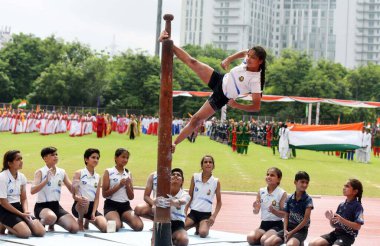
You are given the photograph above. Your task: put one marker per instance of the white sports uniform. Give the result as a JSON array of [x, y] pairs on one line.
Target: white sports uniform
[[52, 190], [115, 177], [179, 213], [88, 184], [10, 187], [267, 199], [204, 193], [239, 81]]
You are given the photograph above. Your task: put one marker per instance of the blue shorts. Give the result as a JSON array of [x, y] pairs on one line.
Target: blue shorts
[[10, 219], [197, 216], [119, 207], [217, 100], [272, 225], [339, 238], [53, 206], [89, 212]]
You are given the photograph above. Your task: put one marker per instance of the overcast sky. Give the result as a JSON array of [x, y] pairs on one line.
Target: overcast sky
[[132, 23]]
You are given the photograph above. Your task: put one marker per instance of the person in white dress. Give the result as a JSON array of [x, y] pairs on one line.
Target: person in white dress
[[283, 144]]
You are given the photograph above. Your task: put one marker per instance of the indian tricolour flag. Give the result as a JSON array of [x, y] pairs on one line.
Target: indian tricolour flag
[[326, 137], [22, 104]]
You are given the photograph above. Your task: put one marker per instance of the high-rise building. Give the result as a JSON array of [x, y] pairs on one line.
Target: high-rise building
[[5, 35], [345, 31], [358, 32]]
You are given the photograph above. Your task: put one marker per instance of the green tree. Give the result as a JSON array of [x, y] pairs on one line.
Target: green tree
[[285, 76], [127, 77], [27, 56], [6, 85], [364, 84]]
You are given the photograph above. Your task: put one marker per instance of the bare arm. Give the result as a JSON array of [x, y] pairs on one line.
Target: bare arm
[[286, 221], [339, 219], [238, 55], [148, 190], [75, 185], [96, 201], [256, 204], [38, 183], [253, 107], [218, 201], [6, 205], [129, 188], [191, 193], [106, 190], [23, 199], [68, 184]]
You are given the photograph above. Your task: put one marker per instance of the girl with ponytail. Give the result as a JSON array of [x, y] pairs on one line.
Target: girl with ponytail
[[247, 78], [348, 218]]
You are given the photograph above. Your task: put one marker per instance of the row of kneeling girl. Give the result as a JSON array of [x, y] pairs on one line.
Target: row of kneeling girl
[[117, 188]]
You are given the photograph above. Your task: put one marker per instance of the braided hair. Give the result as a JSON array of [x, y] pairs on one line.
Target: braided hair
[[262, 55]]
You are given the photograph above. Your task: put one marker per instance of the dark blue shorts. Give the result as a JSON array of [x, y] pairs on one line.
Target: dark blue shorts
[[197, 216], [217, 100], [120, 207], [89, 212], [272, 225], [177, 225], [300, 235], [10, 219], [53, 206], [339, 238]]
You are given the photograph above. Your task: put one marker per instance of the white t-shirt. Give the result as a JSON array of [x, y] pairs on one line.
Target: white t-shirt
[[88, 184], [267, 199], [52, 190], [240, 81], [114, 176], [179, 213], [204, 193], [10, 187]]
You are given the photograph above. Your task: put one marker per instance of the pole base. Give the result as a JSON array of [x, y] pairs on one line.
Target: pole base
[[162, 234]]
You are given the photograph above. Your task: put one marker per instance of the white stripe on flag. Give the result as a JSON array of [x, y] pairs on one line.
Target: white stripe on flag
[[299, 138]]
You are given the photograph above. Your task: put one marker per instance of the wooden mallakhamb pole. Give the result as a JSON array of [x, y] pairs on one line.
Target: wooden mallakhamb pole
[[162, 225]]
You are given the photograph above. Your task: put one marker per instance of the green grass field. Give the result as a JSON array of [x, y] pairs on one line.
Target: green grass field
[[236, 172]]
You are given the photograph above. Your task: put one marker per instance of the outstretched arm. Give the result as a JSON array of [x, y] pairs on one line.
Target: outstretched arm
[[203, 70], [253, 107]]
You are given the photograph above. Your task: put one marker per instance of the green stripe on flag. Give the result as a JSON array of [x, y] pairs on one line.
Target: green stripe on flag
[[327, 147]]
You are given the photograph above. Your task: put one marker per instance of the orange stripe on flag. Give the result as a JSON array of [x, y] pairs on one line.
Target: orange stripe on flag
[[341, 127]]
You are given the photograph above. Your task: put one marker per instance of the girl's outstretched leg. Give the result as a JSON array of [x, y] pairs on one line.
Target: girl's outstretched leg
[[203, 114]]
